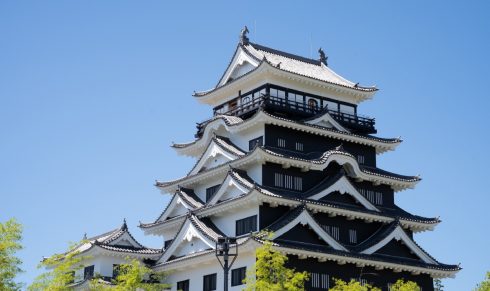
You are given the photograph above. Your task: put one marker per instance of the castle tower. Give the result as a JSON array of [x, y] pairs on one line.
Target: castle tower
[[286, 150]]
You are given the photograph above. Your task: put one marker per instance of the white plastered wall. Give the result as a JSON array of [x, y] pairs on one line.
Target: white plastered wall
[[102, 265], [195, 272], [226, 220]]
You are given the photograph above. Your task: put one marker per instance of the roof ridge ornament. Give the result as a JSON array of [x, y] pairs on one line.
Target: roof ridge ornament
[[124, 226], [243, 36], [323, 57]]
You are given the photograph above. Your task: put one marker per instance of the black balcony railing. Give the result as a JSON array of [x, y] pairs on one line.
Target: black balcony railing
[[302, 109]]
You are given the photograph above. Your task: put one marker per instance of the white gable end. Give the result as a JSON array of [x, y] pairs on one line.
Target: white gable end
[[305, 219], [125, 240], [241, 64], [344, 186], [229, 189], [326, 120], [189, 240], [212, 157], [176, 207], [400, 235]]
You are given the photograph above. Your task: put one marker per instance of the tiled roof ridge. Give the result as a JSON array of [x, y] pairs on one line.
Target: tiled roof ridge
[[285, 54], [141, 250]]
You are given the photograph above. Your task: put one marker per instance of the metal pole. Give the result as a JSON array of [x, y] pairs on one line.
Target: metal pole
[[225, 269]]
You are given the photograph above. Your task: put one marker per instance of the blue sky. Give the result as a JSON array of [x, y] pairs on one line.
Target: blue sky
[[92, 93]]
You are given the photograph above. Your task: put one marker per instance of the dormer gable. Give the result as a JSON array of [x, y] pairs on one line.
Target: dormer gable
[[324, 119], [301, 216], [183, 201], [344, 186], [241, 63], [233, 186], [393, 240], [219, 151], [193, 236]]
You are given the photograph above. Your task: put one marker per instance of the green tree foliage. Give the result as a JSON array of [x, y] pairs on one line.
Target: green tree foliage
[[402, 285], [484, 285], [352, 285], [133, 276], [10, 237], [270, 273], [61, 271]]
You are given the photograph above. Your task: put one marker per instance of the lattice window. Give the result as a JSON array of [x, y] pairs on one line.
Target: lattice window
[[320, 281], [281, 142], [379, 198], [278, 180], [352, 236], [360, 159], [299, 146]]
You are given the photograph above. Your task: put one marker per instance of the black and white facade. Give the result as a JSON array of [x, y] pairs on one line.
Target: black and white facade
[[287, 151]]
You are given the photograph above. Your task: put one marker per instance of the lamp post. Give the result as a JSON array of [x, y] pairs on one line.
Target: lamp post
[[226, 248]]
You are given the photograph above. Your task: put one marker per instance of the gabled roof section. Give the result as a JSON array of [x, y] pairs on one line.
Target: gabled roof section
[[352, 167], [324, 119], [302, 66], [234, 182], [238, 65], [218, 147], [183, 198], [203, 230], [301, 216], [251, 58], [344, 186], [394, 232], [117, 242], [234, 124]]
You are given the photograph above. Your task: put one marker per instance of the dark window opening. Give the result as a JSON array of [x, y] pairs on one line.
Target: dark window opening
[[246, 225], [312, 104], [167, 243], [183, 285], [211, 191], [115, 270], [256, 142], [88, 272], [238, 275], [209, 282]]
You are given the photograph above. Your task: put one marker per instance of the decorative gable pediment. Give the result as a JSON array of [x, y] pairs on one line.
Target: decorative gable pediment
[[240, 64], [125, 240], [400, 236], [176, 207], [304, 218], [230, 188], [344, 186], [188, 240], [326, 120], [215, 155]]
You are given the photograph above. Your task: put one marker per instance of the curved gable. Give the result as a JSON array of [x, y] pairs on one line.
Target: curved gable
[[344, 186], [399, 235], [303, 217]]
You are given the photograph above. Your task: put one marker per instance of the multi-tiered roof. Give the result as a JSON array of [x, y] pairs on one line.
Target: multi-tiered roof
[[268, 92]]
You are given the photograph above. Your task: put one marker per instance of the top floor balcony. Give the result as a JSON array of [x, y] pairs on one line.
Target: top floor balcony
[[296, 110]]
